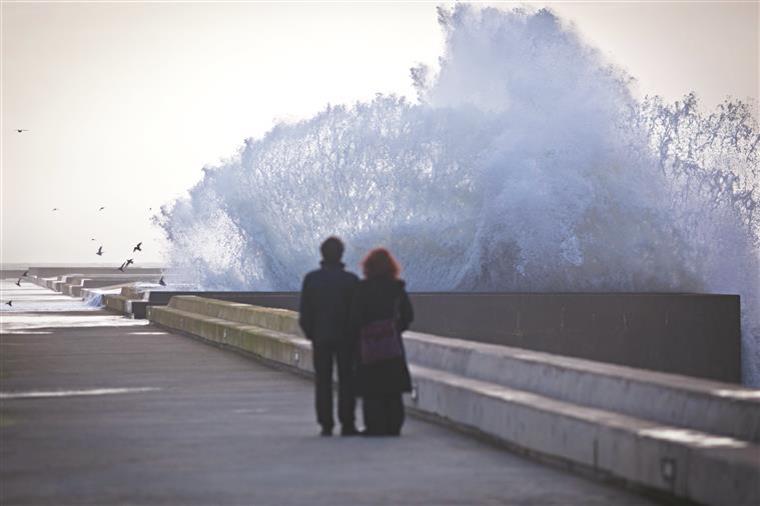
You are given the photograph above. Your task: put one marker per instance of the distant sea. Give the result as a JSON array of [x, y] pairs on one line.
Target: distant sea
[[8, 266]]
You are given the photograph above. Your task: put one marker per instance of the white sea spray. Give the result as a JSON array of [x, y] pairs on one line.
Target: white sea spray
[[525, 165]]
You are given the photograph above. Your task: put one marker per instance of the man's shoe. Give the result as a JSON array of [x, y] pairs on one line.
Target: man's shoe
[[349, 431], [326, 432]]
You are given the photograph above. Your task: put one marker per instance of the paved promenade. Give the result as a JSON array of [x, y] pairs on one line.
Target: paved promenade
[[99, 409]]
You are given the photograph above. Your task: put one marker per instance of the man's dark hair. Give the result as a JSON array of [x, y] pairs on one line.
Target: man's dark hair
[[332, 249]]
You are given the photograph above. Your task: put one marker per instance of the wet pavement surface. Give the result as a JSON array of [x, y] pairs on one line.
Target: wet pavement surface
[[100, 409]]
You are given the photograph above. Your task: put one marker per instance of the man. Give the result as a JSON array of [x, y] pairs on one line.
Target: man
[[324, 317]]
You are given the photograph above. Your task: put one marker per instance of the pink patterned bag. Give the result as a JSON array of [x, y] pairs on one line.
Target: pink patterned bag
[[380, 340]]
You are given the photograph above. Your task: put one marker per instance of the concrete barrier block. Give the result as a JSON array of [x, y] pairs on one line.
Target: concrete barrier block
[[116, 303], [132, 292], [122, 302]]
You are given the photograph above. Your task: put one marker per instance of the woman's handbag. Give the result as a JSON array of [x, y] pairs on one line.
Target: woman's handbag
[[380, 340]]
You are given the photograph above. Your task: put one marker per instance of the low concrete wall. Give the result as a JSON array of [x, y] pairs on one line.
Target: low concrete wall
[[284, 300], [553, 406], [691, 334]]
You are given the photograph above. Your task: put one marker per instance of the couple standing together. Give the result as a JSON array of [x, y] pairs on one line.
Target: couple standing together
[[357, 324]]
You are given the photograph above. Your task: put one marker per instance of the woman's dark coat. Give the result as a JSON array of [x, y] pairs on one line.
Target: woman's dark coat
[[375, 299]]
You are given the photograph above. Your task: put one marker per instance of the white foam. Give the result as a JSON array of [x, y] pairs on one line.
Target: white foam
[[527, 165]]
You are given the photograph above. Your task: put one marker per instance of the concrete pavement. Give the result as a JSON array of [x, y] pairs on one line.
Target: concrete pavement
[[215, 428]]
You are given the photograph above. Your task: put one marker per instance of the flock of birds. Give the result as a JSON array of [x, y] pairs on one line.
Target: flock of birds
[[99, 252], [126, 263], [122, 267], [18, 283]]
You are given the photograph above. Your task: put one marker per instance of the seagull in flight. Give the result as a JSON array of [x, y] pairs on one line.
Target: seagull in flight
[[19, 130], [137, 248], [100, 251], [161, 281], [18, 283], [122, 266], [25, 274], [92, 239], [9, 303], [129, 262], [55, 209], [101, 208]]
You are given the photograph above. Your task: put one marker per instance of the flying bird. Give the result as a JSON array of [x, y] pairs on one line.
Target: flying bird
[[100, 251], [161, 281], [92, 239], [101, 208], [129, 262], [25, 274], [9, 303], [137, 248], [55, 209], [19, 130], [122, 266], [18, 283]]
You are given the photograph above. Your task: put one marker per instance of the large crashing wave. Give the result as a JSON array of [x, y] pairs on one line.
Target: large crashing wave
[[526, 164]]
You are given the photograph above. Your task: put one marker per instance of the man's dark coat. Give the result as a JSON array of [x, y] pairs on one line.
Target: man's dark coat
[[325, 304]]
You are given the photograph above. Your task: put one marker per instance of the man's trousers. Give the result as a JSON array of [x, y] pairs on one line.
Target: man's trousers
[[325, 354]]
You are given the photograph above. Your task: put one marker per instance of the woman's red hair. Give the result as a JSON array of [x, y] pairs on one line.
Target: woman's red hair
[[379, 263]]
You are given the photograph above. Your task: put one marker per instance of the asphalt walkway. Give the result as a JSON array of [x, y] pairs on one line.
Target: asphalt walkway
[[99, 409]]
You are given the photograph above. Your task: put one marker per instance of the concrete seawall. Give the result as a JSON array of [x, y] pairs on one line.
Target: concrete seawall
[[691, 334], [691, 438]]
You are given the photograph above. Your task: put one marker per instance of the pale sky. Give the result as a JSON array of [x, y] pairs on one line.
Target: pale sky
[[126, 102]]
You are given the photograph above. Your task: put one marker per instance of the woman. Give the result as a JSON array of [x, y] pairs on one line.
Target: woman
[[380, 299]]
